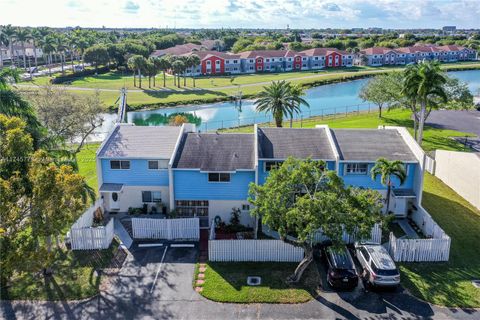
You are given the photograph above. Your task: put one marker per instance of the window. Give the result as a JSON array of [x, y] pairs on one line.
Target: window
[[157, 164], [259, 60], [268, 60], [218, 177], [235, 61], [273, 59], [119, 164], [245, 207], [251, 67], [356, 168], [269, 165], [251, 60], [151, 196], [191, 208], [316, 58], [209, 62], [304, 65], [227, 61]]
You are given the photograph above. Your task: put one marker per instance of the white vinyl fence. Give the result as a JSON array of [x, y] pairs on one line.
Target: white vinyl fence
[[435, 248], [170, 229], [85, 237], [430, 165], [253, 250], [417, 250]]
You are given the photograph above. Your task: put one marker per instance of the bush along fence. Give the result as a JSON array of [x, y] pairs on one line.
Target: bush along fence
[[251, 250], [83, 236], [170, 229], [436, 246]]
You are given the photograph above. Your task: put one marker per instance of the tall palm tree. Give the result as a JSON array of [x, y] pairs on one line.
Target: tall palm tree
[[277, 100], [193, 62], [22, 35], [178, 66], [386, 170], [71, 42], [296, 93], [9, 32], [35, 36], [60, 46], [3, 42], [48, 47], [137, 63], [186, 64], [424, 82], [164, 65], [44, 32]]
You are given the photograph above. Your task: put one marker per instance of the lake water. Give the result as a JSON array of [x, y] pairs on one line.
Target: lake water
[[323, 100]]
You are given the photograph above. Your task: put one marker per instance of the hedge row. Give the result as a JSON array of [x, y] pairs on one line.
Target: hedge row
[[74, 76]]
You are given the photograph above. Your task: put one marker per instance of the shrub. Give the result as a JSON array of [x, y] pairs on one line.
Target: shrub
[[73, 76]]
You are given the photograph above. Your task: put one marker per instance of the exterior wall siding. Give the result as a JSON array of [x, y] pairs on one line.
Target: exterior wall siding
[[262, 174], [194, 185], [137, 175], [365, 180]]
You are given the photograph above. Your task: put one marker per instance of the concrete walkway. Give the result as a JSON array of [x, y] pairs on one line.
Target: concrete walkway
[[120, 231], [407, 228]]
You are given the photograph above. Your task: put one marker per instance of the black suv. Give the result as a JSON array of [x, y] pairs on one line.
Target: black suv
[[341, 273]]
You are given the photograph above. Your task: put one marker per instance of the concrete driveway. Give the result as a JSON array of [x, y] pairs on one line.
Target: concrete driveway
[[156, 283]]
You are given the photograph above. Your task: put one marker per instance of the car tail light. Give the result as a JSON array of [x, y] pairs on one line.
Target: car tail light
[[332, 274]]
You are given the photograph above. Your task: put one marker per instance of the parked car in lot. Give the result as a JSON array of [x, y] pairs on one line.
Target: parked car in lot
[[341, 272], [378, 267]]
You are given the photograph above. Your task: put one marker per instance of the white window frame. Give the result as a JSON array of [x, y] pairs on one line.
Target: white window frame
[[219, 175], [161, 164], [155, 196], [122, 165], [356, 168]]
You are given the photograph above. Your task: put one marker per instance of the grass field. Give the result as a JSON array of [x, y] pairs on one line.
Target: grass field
[[87, 165], [216, 88], [226, 282], [448, 284]]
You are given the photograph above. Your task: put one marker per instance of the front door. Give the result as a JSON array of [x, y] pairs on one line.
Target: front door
[[114, 201]]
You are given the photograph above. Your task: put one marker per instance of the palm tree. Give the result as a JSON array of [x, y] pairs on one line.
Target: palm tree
[[164, 65], [178, 66], [193, 62], [60, 47], [276, 99], [386, 170], [296, 93], [9, 32], [186, 64], [137, 63], [48, 47], [44, 32], [72, 45], [424, 82], [3, 42], [22, 35], [35, 36]]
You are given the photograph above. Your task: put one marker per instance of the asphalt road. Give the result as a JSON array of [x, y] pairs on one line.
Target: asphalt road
[[464, 121], [156, 283]]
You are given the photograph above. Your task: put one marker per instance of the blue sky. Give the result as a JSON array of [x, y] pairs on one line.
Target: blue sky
[[242, 13]]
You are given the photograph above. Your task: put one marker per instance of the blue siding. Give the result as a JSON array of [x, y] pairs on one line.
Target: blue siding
[[137, 175], [365, 180], [194, 185], [262, 174]]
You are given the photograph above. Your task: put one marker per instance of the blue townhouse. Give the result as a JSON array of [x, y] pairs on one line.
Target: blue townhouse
[[207, 174]]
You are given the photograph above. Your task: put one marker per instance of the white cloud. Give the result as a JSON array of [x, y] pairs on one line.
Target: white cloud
[[241, 13]]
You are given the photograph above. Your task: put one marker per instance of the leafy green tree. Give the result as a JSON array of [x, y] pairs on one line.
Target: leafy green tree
[[9, 33], [379, 91], [97, 54], [301, 197], [424, 82], [22, 35], [386, 170]]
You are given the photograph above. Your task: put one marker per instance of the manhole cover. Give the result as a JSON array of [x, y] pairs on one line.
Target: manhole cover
[[254, 281], [476, 283]]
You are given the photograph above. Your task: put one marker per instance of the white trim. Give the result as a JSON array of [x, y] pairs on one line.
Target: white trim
[[147, 245], [283, 159], [182, 245]]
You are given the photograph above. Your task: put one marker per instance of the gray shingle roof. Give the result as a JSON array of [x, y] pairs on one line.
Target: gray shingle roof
[[216, 152], [128, 141], [371, 144], [280, 143]]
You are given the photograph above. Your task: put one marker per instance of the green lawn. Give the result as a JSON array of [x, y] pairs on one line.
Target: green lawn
[[448, 284], [210, 89], [87, 165], [433, 138], [226, 282], [73, 278]]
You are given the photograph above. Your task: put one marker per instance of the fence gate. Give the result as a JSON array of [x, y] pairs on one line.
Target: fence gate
[[169, 229]]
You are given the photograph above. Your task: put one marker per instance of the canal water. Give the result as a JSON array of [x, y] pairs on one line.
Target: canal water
[[323, 100]]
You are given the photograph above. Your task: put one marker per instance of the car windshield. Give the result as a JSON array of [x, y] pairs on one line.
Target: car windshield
[[384, 272], [340, 258]]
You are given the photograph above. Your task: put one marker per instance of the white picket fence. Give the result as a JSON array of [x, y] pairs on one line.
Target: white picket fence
[[170, 229], [418, 250], [85, 237], [435, 248], [89, 238], [253, 250]]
